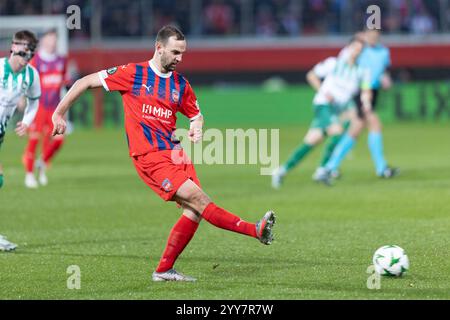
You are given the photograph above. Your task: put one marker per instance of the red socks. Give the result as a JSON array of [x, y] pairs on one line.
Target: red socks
[[226, 220], [182, 232], [50, 151], [30, 152], [50, 148]]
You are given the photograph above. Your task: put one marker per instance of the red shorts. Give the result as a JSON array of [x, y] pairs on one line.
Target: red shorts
[[43, 121], [160, 172]]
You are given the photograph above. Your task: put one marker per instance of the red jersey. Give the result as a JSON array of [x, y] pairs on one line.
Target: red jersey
[[151, 100], [52, 72]]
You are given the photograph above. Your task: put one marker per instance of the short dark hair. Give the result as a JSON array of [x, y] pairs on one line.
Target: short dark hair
[[26, 35], [169, 31]]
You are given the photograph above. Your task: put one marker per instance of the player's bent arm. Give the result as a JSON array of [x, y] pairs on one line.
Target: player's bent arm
[[22, 104], [313, 80], [196, 129], [197, 122], [31, 109], [88, 82], [28, 117]]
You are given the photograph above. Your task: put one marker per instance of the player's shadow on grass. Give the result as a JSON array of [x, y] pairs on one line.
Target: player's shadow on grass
[[145, 245], [243, 262], [139, 241], [66, 254], [135, 240], [239, 262]]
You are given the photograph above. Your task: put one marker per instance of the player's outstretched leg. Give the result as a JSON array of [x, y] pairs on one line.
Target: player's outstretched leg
[[194, 201], [339, 153], [346, 143], [328, 152], [313, 137], [191, 196], [296, 157]]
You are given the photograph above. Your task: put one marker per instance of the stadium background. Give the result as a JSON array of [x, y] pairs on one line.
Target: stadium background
[[247, 61], [238, 42]]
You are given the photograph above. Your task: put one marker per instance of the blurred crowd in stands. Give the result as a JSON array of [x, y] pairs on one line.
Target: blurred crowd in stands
[[137, 18]]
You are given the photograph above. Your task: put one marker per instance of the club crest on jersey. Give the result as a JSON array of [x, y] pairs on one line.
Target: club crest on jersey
[[167, 185], [175, 95], [111, 70]]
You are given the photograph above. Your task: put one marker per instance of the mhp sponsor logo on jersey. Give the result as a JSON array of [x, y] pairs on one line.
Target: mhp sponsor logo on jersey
[[156, 111]]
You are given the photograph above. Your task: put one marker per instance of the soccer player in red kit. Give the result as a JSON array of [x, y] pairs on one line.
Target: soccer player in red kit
[[153, 92], [52, 71]]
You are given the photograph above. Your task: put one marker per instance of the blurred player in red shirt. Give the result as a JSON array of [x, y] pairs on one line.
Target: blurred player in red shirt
[[52, 71], [152, 93]]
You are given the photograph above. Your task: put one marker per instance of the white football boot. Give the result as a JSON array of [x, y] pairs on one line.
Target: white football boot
[[277, 177], [171, 275], [320, 171], [30, 181], [264, 227], [42, 176], [5, 245]]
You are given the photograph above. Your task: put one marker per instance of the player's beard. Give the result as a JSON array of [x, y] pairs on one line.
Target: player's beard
[[167, 64], [170, 67]]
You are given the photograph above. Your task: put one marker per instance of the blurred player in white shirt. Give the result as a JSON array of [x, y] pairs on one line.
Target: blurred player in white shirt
[[19, 79], [342, 78]]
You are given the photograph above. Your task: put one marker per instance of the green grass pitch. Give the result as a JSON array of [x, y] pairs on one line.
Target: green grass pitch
[[97, 214]]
